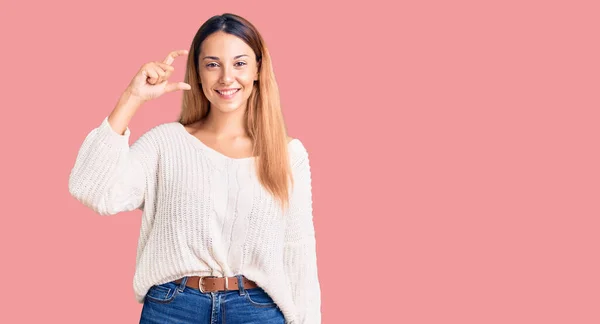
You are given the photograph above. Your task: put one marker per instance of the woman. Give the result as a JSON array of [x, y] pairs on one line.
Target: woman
[[227, 232]]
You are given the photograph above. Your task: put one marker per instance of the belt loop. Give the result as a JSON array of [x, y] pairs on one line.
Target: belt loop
[[241, 285], [182, 283]]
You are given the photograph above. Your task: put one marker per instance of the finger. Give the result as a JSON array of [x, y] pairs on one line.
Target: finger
[[170, 87], [167, 68], [151, 75], [171, 57], [162, 74]]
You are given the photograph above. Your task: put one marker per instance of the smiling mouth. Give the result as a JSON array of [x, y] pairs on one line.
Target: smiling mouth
[[227, 92]]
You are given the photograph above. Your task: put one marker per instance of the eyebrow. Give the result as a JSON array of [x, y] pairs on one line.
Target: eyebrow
[[216, 58]]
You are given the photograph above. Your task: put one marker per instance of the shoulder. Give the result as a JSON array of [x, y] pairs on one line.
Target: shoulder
[[162, 131], [295, 145], [157, 137], [297, 151], [167, 126]]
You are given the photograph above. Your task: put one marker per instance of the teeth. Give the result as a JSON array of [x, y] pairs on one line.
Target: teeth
[[228, 92]]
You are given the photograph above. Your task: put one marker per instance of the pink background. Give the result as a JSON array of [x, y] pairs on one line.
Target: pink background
[[454, 149]]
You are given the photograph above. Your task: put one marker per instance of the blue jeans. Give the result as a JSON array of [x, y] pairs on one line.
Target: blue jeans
[[178, 303]]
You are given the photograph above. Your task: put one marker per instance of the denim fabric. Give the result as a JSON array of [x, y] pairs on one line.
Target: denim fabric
[[177, 303]]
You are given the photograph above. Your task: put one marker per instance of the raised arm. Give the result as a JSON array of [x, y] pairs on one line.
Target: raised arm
[[109, 176]]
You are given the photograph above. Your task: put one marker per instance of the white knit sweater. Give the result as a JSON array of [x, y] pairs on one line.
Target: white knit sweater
[[204, 213]]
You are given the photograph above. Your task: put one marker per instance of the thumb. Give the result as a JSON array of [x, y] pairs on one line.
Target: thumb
[[177, 86]]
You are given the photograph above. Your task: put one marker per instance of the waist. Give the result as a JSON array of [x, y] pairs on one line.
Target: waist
[[215, 284]]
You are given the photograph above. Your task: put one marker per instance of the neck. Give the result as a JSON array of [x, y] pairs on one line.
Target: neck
[[226, 125]]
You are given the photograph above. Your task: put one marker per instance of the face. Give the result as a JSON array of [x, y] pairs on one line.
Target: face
[[228, 69]]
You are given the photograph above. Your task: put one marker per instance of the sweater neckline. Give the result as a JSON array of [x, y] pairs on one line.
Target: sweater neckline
[[196, 141]]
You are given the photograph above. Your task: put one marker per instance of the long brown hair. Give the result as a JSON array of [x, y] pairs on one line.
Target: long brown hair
[[264, 120]]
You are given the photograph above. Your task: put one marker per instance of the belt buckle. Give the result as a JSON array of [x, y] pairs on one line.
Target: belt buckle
[[200, 283]]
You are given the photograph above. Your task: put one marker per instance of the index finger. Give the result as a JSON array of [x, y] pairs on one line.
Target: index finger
[[171, 57]]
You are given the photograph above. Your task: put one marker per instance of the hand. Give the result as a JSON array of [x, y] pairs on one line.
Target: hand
[[150, 82]]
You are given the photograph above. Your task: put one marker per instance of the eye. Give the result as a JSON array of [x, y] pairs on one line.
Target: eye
[[212, 64], [241, 63]]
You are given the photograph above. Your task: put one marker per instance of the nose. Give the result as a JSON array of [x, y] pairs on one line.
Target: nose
[[227, 75]]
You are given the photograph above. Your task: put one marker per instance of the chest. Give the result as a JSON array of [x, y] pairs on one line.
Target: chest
[[205, 185], [234, 148]]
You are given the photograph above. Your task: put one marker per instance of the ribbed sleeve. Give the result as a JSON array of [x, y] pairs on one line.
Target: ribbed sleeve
[[109, 176], [300, 259]]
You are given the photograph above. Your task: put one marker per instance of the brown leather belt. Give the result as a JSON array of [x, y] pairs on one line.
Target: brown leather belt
[[214, 284]]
